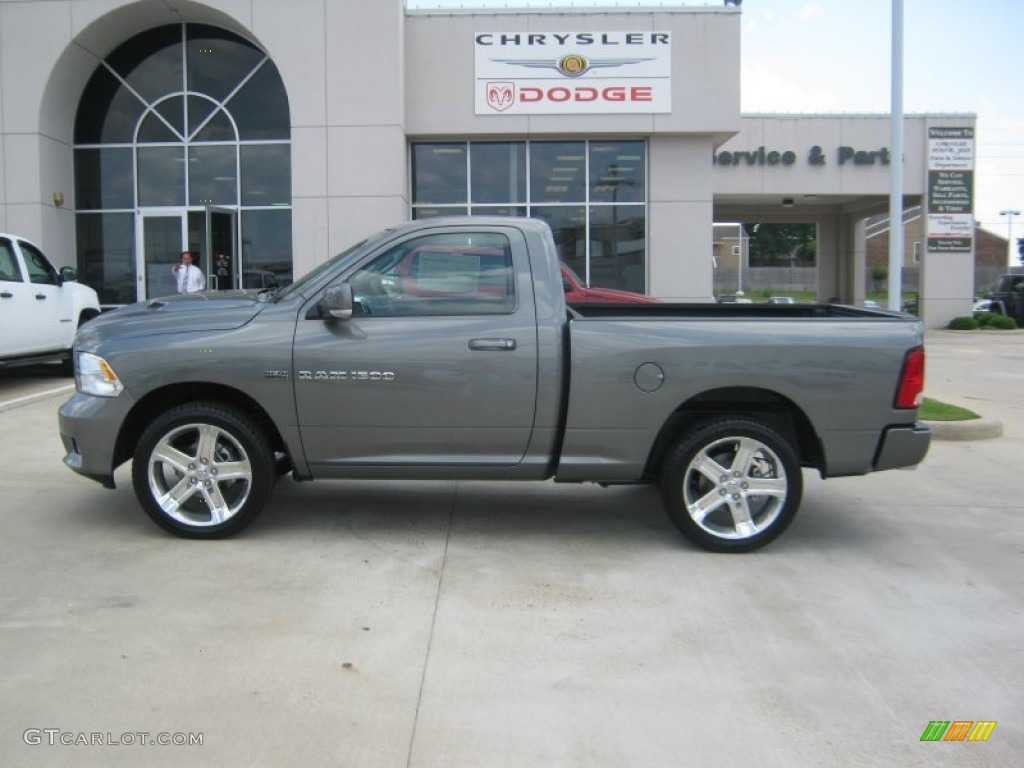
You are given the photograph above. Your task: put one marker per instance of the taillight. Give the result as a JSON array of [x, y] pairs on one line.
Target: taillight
[[908, 394]]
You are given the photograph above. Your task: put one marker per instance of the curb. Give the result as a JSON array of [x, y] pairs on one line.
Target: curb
[[974, 429]]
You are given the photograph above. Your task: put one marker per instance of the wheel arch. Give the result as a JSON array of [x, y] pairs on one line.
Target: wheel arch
[[163, 399], [756, 403]]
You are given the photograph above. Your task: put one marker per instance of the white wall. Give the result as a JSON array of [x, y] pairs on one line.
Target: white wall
[[679, 231]]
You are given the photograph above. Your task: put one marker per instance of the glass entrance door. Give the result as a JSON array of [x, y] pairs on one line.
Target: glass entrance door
[[210, 234], [221, 254], [163, 237]]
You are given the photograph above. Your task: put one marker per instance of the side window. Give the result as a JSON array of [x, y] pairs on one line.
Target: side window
[[449, 274], [9, 270], [39, 269]]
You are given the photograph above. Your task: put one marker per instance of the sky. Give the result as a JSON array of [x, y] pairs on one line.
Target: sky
[[833, 56]]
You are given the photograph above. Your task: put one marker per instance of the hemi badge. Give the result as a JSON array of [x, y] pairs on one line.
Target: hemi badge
[[275, 374]]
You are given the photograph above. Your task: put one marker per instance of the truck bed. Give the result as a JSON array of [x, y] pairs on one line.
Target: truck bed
[[719, 311], [833, 366]]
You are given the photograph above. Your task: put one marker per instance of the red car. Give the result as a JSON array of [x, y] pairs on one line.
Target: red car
[[578, 293]]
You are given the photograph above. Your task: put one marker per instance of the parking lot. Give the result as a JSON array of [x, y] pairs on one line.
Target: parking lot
[[474, 624]]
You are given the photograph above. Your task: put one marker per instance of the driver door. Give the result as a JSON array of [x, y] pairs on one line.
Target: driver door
[[437, 367]]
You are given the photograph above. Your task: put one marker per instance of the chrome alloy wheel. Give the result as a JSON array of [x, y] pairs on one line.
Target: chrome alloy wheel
[[199, 475], [735, 487]]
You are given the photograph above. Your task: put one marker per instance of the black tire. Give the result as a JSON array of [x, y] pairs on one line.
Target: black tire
[[68, 361], [731, 484], [200, 496]]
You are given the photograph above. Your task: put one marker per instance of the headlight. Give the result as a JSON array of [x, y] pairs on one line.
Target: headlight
[[94, 376]]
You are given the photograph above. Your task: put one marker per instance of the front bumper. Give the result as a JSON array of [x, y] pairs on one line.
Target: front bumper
[[89, 428], [903, 447]]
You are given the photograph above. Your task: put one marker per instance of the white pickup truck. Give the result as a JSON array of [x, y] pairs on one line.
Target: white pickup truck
[[40, 308]]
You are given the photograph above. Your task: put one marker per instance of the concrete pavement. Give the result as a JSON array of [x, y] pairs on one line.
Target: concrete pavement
[[470, 624], [985, 386]]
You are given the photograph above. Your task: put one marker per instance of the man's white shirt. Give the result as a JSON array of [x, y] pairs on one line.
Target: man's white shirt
[[190, 279]]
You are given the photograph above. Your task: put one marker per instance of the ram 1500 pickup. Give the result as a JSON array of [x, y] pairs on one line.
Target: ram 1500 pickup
[[444, 349]]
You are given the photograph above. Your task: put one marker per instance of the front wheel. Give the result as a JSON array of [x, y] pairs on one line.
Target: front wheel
[[731, 484], [203, 471]]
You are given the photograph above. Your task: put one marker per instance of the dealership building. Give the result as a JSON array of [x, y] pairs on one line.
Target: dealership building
[[267, 136]]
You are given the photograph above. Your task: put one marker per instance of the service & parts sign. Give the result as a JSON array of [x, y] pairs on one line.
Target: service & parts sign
[[573, 73]]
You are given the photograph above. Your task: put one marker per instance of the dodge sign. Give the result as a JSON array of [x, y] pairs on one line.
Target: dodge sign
[[565, 73]]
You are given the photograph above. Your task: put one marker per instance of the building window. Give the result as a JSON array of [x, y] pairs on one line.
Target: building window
[[917, 251], [182, 116], [593, 194]]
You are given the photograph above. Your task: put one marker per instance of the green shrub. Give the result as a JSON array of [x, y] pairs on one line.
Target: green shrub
[[965, 323], [996, 322]]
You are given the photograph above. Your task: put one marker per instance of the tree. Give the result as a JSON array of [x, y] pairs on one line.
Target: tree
[[878, 276], [782, 245]]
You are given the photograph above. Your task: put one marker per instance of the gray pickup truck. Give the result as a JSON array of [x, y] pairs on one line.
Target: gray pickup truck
[[445, 349]]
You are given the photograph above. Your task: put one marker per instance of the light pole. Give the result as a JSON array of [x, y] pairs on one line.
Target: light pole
[[896, 167], [1011, 252], [739, 274]]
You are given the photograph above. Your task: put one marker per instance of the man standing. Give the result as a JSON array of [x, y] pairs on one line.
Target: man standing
[[189, 276]]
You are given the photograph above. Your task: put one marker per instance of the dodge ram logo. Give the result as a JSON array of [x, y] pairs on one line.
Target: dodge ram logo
[[501, 96]]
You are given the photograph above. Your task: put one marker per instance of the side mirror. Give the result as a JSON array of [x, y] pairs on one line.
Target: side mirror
[[68, 274], [337, 301]]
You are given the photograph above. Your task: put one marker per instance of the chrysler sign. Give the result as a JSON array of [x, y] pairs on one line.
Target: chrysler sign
[[566, 73]]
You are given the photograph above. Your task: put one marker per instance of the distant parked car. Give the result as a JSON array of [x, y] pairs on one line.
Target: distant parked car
[[733, 298], [983, 305], [781, 300], [1007, 296], [576, 292], [261, 278], [871, 304], [40, 308]]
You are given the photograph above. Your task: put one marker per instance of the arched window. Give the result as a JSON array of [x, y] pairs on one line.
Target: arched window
[[179, 121]]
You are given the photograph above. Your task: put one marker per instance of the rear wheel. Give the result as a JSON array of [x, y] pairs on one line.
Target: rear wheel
[[731, 484], [203, 471]]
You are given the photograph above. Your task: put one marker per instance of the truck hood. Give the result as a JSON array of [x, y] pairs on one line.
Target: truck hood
[[194, 313]]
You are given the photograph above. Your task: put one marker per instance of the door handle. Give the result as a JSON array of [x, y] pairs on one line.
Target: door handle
[[492, 345], [6, 295], [41, 296]]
